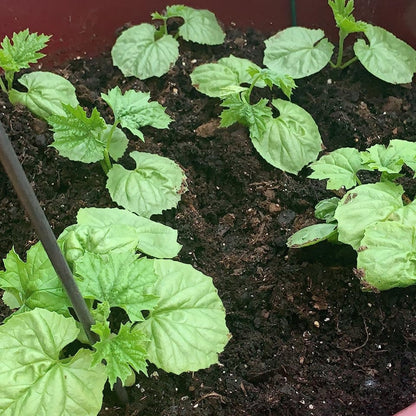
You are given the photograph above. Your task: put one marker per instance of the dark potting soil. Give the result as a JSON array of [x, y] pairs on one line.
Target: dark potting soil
[[306, 339]]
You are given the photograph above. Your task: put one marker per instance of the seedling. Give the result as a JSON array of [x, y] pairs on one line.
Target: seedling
[[289, 141], [301, 52], [157, 182], [376, 219], [45, 91], [145, 51], [183, 328]]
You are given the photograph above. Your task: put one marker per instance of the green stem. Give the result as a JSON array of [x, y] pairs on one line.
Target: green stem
[[250, 89], [2, 86], [342, 36], [352, 60], [106, 162]]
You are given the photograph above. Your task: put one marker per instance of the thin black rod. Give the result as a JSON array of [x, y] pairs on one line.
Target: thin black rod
[[293, 12], [31, 204]]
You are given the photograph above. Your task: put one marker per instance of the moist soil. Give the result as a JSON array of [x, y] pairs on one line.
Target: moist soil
[[306, 340]]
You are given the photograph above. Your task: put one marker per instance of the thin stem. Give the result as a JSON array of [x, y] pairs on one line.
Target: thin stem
[[2, 86], [342, 36], [352, 60], [250, 89]]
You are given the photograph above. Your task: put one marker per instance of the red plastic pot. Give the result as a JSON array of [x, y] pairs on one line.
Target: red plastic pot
[[88, 28]]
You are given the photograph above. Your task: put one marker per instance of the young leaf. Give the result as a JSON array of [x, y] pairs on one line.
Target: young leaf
[[225, 77], [24, 50], [406, 151], [199, 26], [138, 53], [291, 140], [284, 82], [46, 92], [121, 279], [187, 328], [386, 257], [33, 284], [122, 352], [77, 136], [311, 235], [363, 206], [383, 159], [297, 51], [386, 57], [133, 110], [325, 209], [34, 380], [254, 116], [156, 184], [340, 167], [343, 16], [118, 142], [101, 230]]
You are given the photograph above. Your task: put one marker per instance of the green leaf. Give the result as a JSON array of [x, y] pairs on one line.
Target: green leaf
[[122, 352], [224, 78], [363, 206], [340, 167], [118, 142], [386, 57], [101, 230], [137, 52], [45, 94], [77, 136], [133, 110], [156, 184], [311, 235], [291, 140], [387, 256], [383, 159], [34, 283], [187, 329], [405, 215], [34, 380], [23, 51], [284, 82], [406, 151], [121, 279], [344, 18], [297, 51], [199, 26], [254, 116], [325, 209]]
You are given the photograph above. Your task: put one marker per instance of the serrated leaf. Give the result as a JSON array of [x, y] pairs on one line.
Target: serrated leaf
[[224, 78], [121, 279], [386, 57], [133, 110], [77, 136], [254, 116], [311, 235], [363, 206], [156, 184], [101, 230], [187, 329], [122, 352], [34, 283], [284, 82], [297, 52], [22, 50], [34, 380], [340, 167], [387, 256], [291, 140], [46, 92], [383, 159], [343, 16], [199, 25], [137, 52]]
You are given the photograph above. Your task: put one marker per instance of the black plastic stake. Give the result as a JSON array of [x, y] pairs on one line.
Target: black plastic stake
[[31, 204]]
